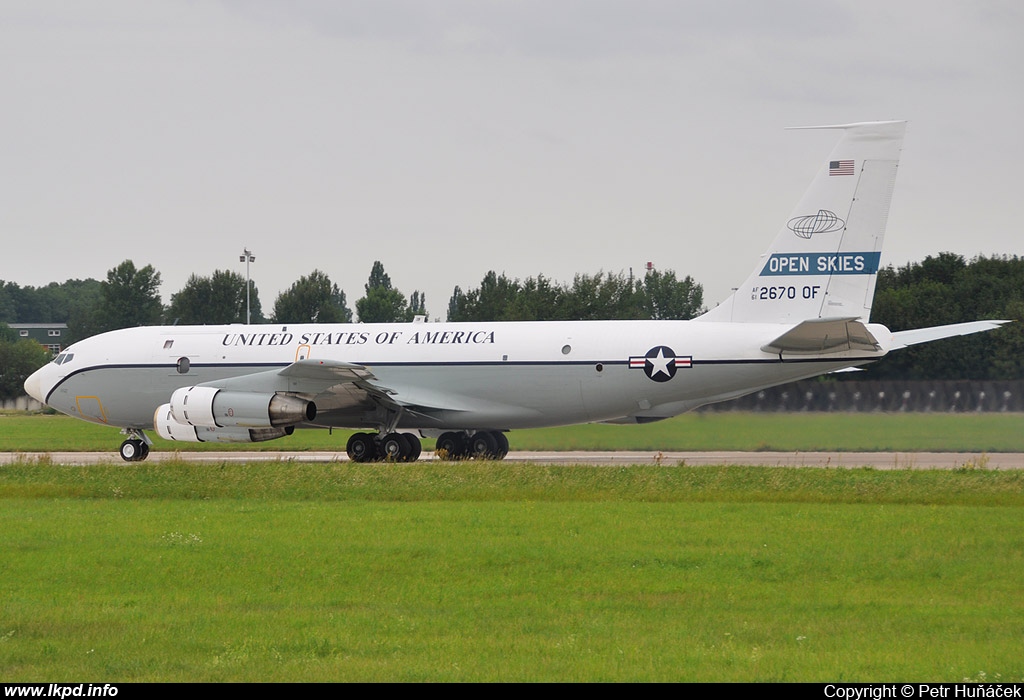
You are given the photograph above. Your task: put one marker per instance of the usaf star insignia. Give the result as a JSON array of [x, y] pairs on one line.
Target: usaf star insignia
[[660, 363]]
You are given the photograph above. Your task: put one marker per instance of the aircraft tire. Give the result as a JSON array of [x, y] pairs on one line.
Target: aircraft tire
[[483, 446], [502, 441], [414, 445], [361, 448], [394, 448], [134, 450], [451, 446]]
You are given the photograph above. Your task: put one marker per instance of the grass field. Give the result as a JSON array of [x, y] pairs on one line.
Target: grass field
[[285, 571], [785, 432]]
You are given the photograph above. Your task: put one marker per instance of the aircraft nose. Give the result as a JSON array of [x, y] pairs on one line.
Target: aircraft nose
[[34, 385]]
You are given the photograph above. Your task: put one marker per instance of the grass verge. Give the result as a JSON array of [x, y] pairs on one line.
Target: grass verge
[[469, 572]]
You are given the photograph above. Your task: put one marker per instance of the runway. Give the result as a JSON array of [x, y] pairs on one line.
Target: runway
[[835, 460]]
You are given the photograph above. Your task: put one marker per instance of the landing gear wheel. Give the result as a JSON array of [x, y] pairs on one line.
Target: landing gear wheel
[[502, 441], [415, 447], [361, 448], [394, 448], [134, 450], [483, 446], [451, 446]]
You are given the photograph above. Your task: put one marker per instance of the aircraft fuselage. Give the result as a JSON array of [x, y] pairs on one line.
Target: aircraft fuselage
[[464, 376]]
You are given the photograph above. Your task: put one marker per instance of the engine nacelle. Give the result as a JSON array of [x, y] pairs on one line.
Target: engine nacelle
[[209, 407], [170, 429]]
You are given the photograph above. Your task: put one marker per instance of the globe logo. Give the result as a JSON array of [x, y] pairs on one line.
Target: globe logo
[[824, 221]]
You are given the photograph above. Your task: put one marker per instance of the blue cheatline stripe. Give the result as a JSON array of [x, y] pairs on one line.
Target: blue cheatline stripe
[[263, 366]]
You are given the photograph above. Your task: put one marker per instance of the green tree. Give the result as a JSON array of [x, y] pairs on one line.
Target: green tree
[[8, 307], [73, 302], [129, 297], [603, 296], [590, 297], [84, 300], [382, 302], [458, 305], [18, 359], [314, 298], [417, 305], [536, 299], [947, 289], [216, 299], [667, 298], [1008, 350]]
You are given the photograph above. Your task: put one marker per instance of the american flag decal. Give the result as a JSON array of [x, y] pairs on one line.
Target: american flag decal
[[840, 167]]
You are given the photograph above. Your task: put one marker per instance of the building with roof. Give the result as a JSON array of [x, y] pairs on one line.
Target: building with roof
[[50, 335]]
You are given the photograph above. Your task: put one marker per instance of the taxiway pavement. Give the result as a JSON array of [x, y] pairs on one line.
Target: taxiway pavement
[[837, 460]]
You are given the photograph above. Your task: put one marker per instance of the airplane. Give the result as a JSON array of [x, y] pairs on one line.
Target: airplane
[[803, 311]]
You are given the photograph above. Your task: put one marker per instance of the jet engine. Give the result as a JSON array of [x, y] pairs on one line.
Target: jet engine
[[209, 407], [170, 429]]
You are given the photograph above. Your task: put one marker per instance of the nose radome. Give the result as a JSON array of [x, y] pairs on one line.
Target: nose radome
[[34, 386]]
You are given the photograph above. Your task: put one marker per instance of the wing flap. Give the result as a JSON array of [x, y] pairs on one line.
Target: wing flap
[[336, 385], [326, 370], [302, 377], [822, 336]]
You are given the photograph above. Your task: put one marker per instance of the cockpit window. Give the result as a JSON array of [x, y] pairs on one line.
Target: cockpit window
[[64, 357]]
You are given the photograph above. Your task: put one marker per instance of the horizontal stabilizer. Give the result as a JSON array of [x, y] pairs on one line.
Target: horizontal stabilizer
[[904, 339], [824, 335]]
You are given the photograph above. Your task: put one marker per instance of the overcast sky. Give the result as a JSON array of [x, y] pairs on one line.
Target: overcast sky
[[447, 138]]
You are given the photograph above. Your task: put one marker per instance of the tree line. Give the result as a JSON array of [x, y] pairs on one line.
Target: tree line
[[129, 296], [944, 289], [939, 290], [657, 295]]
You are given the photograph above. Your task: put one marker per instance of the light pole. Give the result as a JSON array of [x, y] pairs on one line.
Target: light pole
[[247, 257]]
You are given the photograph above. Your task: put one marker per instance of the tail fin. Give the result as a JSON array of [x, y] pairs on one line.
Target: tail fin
[[824, 261]]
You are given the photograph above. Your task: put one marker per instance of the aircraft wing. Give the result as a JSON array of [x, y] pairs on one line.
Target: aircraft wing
[[302, 377], [337, 386], [904, 339], [824, 335]]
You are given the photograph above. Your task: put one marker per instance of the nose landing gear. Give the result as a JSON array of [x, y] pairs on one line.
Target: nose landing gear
[[136, 447]]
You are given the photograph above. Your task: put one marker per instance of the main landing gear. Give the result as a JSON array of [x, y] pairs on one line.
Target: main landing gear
[[390, 447], [136, 447], [485, 444], [404, 447]]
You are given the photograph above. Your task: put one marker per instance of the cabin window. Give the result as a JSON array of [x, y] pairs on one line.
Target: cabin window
[[566, 349], [183, 365]]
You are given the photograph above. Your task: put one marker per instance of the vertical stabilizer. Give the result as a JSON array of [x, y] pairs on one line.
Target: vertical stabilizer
[[824, 261]]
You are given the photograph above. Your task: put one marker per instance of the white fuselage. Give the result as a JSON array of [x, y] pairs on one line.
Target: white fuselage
[[465, 376]]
